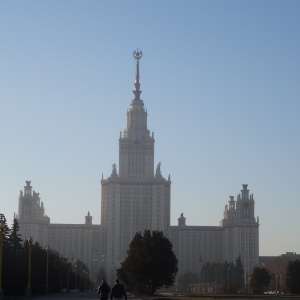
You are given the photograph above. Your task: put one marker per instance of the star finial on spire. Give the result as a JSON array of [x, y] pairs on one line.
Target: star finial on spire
[[137, 55]]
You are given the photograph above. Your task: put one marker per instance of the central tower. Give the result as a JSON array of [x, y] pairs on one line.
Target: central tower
[[138, 197], [136, 146]]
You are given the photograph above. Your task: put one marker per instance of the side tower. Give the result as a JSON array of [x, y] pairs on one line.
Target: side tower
[[240, 230], [31, 216], [30, 205], [137, 198]]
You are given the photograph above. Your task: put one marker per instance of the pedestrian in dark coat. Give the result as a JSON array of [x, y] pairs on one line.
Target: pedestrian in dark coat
[[103, 290], [118, 291]]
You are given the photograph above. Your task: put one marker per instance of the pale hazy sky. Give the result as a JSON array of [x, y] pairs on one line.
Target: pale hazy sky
[[220, 81]]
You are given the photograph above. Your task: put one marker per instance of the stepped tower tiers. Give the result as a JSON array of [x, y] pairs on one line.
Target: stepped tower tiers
[[136, 145], [241, 230], [31, 215], [136, 199], [30, 205]]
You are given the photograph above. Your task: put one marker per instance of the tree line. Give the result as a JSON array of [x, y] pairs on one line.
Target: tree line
[[150, 265], [261, 279], [50, 272], [229, 277]]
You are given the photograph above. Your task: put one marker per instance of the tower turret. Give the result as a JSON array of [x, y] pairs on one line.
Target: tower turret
[[245, 205], [30, 205], [181, 221]]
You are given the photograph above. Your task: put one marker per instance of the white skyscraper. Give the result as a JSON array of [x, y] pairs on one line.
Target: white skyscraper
[[138, 198]]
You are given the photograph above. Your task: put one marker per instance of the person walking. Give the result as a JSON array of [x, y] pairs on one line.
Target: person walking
[[118, 291], [103, 290]]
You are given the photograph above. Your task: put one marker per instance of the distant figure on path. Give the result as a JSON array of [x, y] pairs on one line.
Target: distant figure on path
[[103, 290], [118, 291]]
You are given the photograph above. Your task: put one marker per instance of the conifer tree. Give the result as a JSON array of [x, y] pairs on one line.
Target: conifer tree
[[15, 241], [6, 232], [293, 277], [238, 274], [260, 278], [150, 264]]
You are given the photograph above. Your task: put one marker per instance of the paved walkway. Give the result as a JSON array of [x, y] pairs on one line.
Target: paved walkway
[[88, 295], [67, 296], [92, 295]]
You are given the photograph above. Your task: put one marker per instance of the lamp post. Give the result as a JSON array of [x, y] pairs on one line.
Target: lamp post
[[249, 280], [68, 266], [80, 277], [47, 269], [280, 284], [2, 227], [83, 274], [228, 279], [75, 274], [28, 290], [60, 266]]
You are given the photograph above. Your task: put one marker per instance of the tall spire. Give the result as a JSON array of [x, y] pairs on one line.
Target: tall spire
[[137, 55]]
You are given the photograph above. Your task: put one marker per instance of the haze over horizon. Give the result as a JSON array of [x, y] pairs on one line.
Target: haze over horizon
[[220, 82]]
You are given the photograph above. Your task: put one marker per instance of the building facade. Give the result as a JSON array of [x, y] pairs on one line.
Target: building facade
[[136, 197]]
